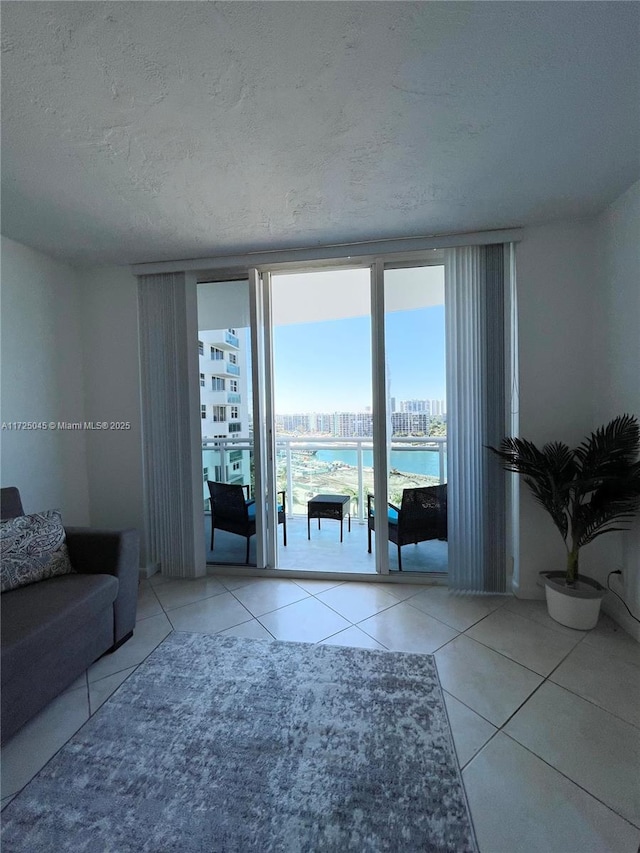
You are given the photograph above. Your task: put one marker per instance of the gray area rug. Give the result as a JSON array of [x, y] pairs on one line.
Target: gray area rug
[[221, 744]]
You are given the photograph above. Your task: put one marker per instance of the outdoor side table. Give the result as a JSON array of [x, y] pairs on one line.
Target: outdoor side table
[[329, 506]]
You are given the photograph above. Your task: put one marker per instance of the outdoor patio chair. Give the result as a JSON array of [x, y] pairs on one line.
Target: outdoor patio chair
[[421, 516], [233, 511]]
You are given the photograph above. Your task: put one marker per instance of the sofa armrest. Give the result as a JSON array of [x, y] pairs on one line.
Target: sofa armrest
[[110, 552]]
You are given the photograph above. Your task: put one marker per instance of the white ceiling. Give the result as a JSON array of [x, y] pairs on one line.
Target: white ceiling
[[147, 131]]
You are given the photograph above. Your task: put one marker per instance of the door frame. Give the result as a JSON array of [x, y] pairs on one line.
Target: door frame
[[260, 284]]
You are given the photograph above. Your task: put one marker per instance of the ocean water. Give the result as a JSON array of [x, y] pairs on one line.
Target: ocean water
[[412, 461]]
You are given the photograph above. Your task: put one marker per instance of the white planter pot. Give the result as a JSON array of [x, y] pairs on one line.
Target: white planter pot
[[577, 606]]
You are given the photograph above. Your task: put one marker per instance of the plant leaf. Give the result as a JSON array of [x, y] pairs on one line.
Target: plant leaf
[[609, 451]]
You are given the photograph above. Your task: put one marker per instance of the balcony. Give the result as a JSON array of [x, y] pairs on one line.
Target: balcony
[[306, 467], [221, 338], [233, 369], [233, 397]]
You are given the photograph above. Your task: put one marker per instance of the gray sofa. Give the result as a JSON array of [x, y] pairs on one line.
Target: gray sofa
[[54, 629]]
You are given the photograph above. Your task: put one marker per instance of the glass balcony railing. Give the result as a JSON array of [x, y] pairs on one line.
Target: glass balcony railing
[[233, 369], [234, 340], [309, 466], [232, 397]]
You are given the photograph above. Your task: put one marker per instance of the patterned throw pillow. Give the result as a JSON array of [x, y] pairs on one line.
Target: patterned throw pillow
[[32, 548]]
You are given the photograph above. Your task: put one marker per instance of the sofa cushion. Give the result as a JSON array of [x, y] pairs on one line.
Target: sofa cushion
[[32, 548], [42, 614]]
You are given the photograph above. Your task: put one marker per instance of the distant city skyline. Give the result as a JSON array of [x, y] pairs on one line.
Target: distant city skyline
[[326, 367]]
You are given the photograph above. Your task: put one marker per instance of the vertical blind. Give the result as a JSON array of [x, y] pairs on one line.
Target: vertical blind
[[166, 423], [475, 332]]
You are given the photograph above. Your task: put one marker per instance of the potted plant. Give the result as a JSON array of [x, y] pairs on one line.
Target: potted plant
[[588, 491]]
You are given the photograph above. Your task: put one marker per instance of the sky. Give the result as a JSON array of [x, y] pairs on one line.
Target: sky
[[326, 366]]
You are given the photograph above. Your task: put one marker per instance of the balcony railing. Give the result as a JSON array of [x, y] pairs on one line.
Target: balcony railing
[[309, 475], [232, 397], [234, 340], [233, 369]]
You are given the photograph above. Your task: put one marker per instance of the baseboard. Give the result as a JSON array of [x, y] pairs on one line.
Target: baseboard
[[531, 590], [149, 570]]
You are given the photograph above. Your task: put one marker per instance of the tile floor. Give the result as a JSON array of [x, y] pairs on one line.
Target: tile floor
[[545, 720], [324, 551]]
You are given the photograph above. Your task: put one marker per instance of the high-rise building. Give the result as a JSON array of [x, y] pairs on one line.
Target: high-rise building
[[224, 404], [410, 423]]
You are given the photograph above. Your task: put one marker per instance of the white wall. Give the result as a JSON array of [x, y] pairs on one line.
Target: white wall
[[579, 351], [617, 379], [109, 312], [42, 380], [556, 281]]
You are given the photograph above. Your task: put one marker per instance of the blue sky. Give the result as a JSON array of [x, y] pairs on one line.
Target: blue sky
[[326, 367]]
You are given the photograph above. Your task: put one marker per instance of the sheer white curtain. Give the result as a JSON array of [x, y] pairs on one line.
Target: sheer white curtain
[[168, 448], [475, 331]]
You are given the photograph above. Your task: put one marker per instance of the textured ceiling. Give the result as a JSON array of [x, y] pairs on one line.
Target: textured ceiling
[[144, 131]]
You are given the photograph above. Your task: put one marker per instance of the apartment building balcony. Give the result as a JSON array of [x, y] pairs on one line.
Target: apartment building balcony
[[221, 367], [221, 398], [306, 467], [223, 338]]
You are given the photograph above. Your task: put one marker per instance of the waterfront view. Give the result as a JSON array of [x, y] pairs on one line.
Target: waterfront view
[[306, 467]]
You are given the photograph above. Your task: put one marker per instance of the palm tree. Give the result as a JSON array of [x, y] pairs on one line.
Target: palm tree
[[588, 491]]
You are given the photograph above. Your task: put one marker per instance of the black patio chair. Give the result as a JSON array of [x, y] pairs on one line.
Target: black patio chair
[[233, 511], [422, 515]]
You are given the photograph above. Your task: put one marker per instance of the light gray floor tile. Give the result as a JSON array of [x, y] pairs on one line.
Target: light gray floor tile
[[79, 683], [148, 603], [232, 582], [470, 731], [487, 682], [457, 610], [100, 691], [404, 628], [211, 615], [147, 635], [537, 610], [39, 739], [611, 682], [610, 638], [315, 586], [177, 593], [251, 630], [268, 594], [358, 601], [404, 591], [590, 746], [521, 805], [306, 621], [523, 640], [353, 637]]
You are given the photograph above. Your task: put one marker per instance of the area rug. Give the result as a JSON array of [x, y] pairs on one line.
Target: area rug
[[227, 745]]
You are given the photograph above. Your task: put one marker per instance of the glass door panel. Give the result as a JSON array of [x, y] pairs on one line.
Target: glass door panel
[[226, 411], [321, 337], [414, 326]]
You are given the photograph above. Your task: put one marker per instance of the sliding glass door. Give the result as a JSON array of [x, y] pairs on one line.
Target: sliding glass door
[[416, 417], [323, 396], [226, 418], [323, 418]]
